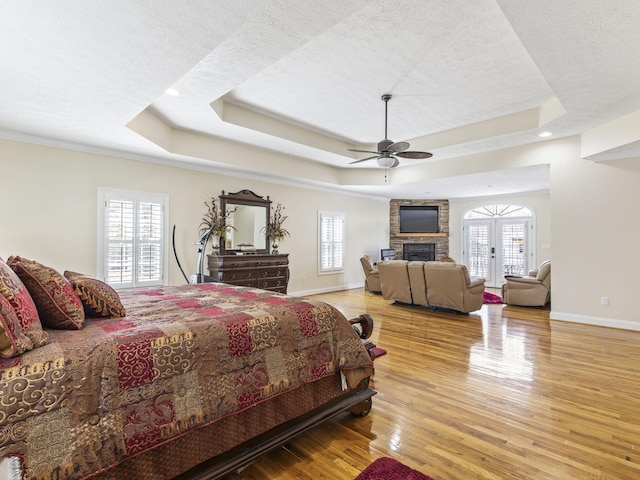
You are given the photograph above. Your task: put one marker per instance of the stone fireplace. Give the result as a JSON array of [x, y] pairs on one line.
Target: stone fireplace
[[425, 252], [439, 242]]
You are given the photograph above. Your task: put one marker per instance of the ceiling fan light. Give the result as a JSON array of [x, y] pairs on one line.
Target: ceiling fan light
[[386, 162]]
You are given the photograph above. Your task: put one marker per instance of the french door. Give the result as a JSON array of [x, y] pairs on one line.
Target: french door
[[497, 247]]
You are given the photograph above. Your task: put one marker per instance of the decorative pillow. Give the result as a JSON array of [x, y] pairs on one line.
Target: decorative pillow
[[13, 290], [12, 341], [98, 298], [57, 304]]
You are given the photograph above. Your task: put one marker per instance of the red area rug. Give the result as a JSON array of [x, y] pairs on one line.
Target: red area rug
[[489, 297], [378, 352], [386, 468]]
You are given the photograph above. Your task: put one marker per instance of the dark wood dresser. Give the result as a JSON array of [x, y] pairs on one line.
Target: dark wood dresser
[[269, 272]]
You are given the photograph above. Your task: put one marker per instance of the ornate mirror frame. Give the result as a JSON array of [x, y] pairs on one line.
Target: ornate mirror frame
[[245, 198]]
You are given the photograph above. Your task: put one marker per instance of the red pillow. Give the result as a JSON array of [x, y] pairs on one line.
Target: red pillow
[[12, 341], [18, 298], [58, 306], [99, 299]]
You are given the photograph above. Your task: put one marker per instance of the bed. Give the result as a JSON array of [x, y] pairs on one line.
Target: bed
[[194, 381]]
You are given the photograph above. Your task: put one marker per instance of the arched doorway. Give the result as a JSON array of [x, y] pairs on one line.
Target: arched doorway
[[498, 241]]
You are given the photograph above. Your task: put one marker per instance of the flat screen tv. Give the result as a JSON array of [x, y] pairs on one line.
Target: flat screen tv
[[418, 219]]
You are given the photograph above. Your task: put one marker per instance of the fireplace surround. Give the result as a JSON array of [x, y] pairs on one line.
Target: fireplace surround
[[425, 252], [398, 241]]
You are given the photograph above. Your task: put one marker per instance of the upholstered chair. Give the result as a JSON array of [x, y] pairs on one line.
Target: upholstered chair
[[450, 286], [371, 276], [533, 290], [394, 280], [418, 283]]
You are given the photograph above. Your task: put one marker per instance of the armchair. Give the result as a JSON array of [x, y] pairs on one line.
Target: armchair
[[533, 290], [371, 276]]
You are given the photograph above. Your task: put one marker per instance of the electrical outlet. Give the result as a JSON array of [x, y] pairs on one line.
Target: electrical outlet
[[604, 301]]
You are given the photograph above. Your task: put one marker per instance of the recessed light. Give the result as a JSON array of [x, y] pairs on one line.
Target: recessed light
[[545, 134], [172, 91]]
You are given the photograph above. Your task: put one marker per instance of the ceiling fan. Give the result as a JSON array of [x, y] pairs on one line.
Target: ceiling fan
[[388, 151]]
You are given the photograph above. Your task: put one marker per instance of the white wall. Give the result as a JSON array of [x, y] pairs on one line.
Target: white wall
[[49, 199], [596, 234]]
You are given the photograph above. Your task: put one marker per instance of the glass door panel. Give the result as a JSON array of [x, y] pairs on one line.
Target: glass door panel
[[477, 250], [512, 248], [495, 248]]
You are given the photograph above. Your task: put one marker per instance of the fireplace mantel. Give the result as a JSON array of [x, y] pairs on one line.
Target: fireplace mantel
[[441, 234]]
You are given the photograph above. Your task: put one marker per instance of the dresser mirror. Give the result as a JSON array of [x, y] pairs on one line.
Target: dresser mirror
[[248, 214]]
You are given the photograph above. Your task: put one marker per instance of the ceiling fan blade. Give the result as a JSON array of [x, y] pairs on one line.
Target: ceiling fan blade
[[414, 155], [362, 151], [398, 147], [364, 159], [384, 144], [396, 163]]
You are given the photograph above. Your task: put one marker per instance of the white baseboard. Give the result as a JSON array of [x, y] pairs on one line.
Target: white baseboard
[[597, 321], [337, 288]]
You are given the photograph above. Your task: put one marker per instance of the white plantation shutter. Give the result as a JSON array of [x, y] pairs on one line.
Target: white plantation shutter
[[149, 265], [331, 242], [133, 250], [514, 260], [119, 242], [477, 249]]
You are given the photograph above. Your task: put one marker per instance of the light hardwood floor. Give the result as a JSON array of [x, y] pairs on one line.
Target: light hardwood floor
[[502, 393]]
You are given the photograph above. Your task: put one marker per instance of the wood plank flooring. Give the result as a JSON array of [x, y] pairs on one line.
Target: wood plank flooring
[[502, 393]]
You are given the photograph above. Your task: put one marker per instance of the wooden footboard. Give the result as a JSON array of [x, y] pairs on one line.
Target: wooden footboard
[[359, 403], [233, 442]]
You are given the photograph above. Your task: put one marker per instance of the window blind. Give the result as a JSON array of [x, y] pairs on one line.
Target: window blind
[[331, 240], [133, 250]]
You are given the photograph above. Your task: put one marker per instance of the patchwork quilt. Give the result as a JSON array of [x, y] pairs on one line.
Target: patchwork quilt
[[182, 358]]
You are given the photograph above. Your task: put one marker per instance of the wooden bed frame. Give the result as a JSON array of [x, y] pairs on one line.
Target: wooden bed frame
[[359, 403], [226, 446]]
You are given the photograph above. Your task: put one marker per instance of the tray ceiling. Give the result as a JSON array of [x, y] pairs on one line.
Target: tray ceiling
[[303, 80]]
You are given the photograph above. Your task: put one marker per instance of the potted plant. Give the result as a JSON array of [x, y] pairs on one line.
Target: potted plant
[[214, 222], [274, 229]]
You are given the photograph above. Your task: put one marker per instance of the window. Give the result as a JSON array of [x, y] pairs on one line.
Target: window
[[331, 242], [131, 238], [498, 211]]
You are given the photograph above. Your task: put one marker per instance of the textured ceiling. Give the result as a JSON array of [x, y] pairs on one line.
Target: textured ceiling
[[305, 79]]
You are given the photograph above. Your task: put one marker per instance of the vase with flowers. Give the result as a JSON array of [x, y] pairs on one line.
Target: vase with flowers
[[214, 222], [274, 229]]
